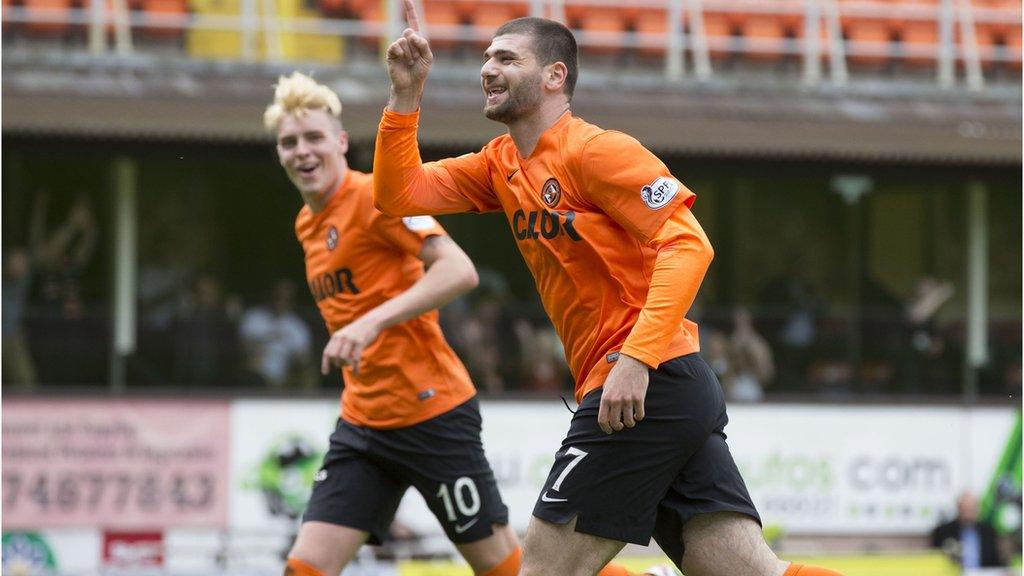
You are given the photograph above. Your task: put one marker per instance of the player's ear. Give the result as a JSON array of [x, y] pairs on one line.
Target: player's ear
[[343, 141], [555, 75]]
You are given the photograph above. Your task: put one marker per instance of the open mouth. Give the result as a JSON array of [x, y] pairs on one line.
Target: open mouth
[[307, 171], [494, 93]]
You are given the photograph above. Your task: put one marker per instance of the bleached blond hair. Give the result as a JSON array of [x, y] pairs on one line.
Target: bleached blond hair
[[298, 94]]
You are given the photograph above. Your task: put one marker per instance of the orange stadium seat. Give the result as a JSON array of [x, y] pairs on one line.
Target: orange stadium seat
[[488, 16], [722, 31], [371, 12], [165, 8], [868, 40], [651, 26], [918, 35], [443, 13], [998, 43], [764, 36], [602, 29], [50, 9], [998, 30]]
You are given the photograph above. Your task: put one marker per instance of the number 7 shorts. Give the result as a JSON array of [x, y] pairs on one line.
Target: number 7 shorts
[[366, 472], [651, 479]]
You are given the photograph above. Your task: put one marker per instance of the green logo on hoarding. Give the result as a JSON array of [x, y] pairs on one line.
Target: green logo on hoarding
[[1002, 502], [285, 475], [26, 554]]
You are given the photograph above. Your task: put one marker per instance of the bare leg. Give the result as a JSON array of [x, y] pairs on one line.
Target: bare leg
[[558, 550], [485, 554], [727, 544], [327, 547]]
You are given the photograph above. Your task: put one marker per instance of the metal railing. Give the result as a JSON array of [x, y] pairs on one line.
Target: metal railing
[[817, 40]]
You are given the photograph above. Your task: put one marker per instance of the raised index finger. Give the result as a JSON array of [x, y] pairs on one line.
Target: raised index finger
[[411, 16]]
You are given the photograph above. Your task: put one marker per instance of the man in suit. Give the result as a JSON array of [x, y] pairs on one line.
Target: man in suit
[[968, 539]]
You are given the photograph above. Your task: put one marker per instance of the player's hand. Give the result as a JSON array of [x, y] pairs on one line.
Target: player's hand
[[622, 400], [346, 345], [409, 60]]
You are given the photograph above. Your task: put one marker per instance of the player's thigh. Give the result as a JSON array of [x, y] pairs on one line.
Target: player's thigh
[[352, 488], [485, 554], [559, 550], [327, 547], [612, 484], [725, 544], [443, 458], [709, 483]]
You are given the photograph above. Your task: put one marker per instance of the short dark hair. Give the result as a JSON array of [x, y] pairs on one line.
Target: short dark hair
[[552, 42]]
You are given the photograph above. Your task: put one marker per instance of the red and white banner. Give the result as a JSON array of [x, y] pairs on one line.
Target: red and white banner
[[123, 464], [133, 550]]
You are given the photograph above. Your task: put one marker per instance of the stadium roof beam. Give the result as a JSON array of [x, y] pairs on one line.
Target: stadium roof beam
[[869, 123]]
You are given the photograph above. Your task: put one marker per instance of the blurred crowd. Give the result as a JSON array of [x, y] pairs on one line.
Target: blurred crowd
[[195, 332]]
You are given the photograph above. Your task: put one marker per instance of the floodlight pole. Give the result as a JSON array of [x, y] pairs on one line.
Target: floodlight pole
[[125, 269], [977, 288], [852, 187]]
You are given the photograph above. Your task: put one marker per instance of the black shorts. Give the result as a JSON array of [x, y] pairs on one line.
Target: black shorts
[[366, 472], [651, 479]]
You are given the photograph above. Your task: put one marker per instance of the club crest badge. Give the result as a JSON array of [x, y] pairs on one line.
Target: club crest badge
[[332, 238], [551, 193], [660, 192]]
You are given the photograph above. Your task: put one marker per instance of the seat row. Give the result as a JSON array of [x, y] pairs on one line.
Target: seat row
[[875, 31]]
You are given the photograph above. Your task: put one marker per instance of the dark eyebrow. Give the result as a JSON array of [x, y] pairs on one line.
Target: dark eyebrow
[[499, 53]]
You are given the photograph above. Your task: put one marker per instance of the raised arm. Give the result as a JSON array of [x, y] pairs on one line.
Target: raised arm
[[402, 184], [409, 59]]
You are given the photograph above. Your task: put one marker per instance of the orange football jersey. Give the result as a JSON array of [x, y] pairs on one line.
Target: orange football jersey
[[356, 259], [585, 207]]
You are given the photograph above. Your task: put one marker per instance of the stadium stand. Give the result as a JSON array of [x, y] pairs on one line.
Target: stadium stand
[[875, 33], [47, 18]]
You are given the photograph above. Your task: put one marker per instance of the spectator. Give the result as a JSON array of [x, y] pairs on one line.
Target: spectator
[[484, 340], [483, 349], [792, 300], [715, 350], [164, 280], [204, 334], [276, 343], [741, 360], [542, 357], [751, 366], [18, 368], [968, 540], [925, 345], [63, 255]]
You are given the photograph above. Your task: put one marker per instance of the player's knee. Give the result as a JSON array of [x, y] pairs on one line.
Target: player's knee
[[496, 555]]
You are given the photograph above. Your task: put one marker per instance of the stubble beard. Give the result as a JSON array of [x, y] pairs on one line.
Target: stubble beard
[[522, 99]]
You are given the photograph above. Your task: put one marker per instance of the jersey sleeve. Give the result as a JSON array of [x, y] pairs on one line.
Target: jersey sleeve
[[684, 254], [405, 234], [404, 186], [630, 184]]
